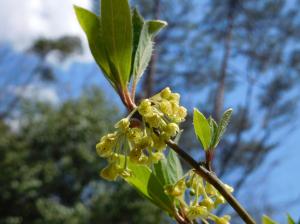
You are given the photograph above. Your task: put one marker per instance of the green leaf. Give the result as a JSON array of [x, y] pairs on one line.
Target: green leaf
[[223, 124], [145, 182], [290, 220], [175, 171], [91, 25], [202, 129], [138, 23], [214, 132], [117, 33], [267, 220], [145, 47], [154, 26], [169, 170]]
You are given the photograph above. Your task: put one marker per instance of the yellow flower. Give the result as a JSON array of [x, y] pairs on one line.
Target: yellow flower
[[196, 211], [176, 190], [104, 149], [165, 93], [223, 220], [111, 172], [156, 156], [208, 203], [137, 156], [166, 107], [145, 107], [123, 125], [171, 129]]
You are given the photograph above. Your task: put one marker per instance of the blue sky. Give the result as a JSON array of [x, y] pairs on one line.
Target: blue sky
[[23, 21]]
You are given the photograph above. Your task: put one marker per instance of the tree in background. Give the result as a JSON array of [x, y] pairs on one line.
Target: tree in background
[[32, 68], [50, 168], [228, 49]]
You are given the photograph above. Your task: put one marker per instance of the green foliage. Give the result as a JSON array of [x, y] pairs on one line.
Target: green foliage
[[208, 131], [117, 34], [91, 25], [168, 170], [144, 33], [50, 168], [120, 41]]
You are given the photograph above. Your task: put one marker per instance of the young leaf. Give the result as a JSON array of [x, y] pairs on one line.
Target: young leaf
[[155, 26], [214, 132], [145, 47], [202, 129], [267, 220], [223, 124], [138, 23], [117, 33], [175, 171], [91, 25]]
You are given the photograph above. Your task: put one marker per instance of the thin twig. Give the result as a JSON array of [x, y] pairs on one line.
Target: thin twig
[[213, 180]]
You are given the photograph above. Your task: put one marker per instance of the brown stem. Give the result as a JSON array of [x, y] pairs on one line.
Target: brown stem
[[213, 180], [133, 91]]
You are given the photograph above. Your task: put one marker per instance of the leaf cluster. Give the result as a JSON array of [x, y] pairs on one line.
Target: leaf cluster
[[120, 40], [208, 131]]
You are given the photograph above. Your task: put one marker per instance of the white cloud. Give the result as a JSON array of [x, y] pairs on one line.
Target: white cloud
[[41, 93], [23, 21]]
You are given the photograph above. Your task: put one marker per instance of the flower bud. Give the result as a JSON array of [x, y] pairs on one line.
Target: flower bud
[[135, 134], [165, 93], [123, 125], [228, 188], [175, 97], [145, 107], [155, 121], [210, 189], [104, 149], [182, 112], [158, 143], [223, 220], [171, 129], [219, 200], [110, 172], [144, 142], [208, 203], [166, 107], [137, 156]]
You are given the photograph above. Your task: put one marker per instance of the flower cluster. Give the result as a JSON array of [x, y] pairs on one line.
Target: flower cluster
[[203, 198], [142, 140]]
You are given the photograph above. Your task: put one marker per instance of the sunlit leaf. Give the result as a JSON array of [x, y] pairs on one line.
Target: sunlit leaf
[[214, 132], [118, 36], [144, 49], [91, 25], [202, 129]]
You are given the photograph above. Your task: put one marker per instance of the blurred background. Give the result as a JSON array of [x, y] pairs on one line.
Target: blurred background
[[55, 104]]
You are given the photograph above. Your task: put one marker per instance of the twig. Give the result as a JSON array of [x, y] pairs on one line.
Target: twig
[[213, 180]]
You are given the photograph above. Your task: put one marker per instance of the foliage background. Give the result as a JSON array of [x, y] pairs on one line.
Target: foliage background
[[242, 54]]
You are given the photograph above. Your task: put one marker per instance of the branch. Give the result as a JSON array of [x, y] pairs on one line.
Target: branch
[[213, 180]]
